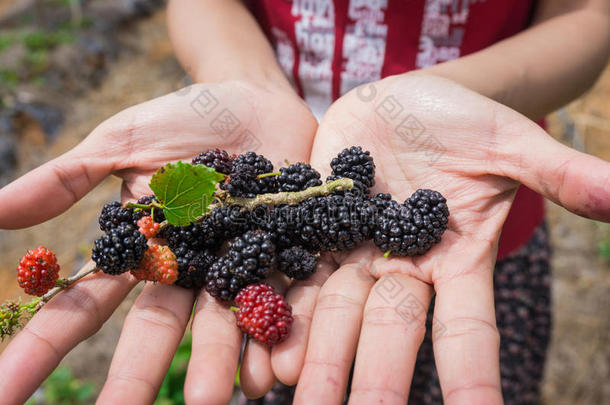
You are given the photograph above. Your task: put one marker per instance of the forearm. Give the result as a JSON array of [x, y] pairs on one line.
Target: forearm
[[218, 40], [540, 69]]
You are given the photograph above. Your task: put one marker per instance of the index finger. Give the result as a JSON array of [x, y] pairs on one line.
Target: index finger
[[52, 188], [59, 326], [572, 179]]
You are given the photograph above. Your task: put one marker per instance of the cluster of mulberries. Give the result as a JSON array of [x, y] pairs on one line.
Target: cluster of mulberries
[[232, 250], [336, 222]]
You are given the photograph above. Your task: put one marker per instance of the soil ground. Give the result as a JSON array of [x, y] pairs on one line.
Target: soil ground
[[578, 367]]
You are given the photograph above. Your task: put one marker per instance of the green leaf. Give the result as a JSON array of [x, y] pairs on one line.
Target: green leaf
[[184, 190]]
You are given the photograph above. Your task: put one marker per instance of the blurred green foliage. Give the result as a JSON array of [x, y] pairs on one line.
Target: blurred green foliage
[[62, 388], [38, 42], [603, 241], [8, 78], [603, 249], [37, 61], [41, 40], [6, 40]]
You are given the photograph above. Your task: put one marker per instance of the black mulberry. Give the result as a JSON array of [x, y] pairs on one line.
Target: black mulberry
[[298, 177], [120, 249], [217, 159], [414, 227], [250, 259], [297, 262]]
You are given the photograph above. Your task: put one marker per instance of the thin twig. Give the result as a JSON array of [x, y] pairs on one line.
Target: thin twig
[[287, 197], [64, 283]]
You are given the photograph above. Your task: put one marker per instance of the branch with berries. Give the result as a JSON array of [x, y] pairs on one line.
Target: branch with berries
[[225, 223]]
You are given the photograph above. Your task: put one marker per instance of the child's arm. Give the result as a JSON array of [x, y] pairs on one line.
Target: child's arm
[[218, 40], [545, 66]]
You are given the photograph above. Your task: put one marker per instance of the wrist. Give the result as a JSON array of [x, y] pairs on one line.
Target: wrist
[[472, 72], [267, 77]]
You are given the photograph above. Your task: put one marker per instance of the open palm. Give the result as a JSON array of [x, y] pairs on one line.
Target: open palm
[[427, 132], [234, 116]]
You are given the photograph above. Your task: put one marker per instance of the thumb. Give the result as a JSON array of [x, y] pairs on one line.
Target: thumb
[[52, 188], [574, 180]]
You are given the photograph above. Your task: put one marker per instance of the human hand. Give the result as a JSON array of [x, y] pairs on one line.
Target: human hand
[[235, 116], [372, 309]]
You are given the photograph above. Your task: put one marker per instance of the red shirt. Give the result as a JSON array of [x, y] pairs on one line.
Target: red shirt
[[328, 47]]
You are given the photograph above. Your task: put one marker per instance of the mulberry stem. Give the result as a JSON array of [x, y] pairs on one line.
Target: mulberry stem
[[152, 205], [288, 197], [262, 176], [285, 197], [64, 283], [135, 205]]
